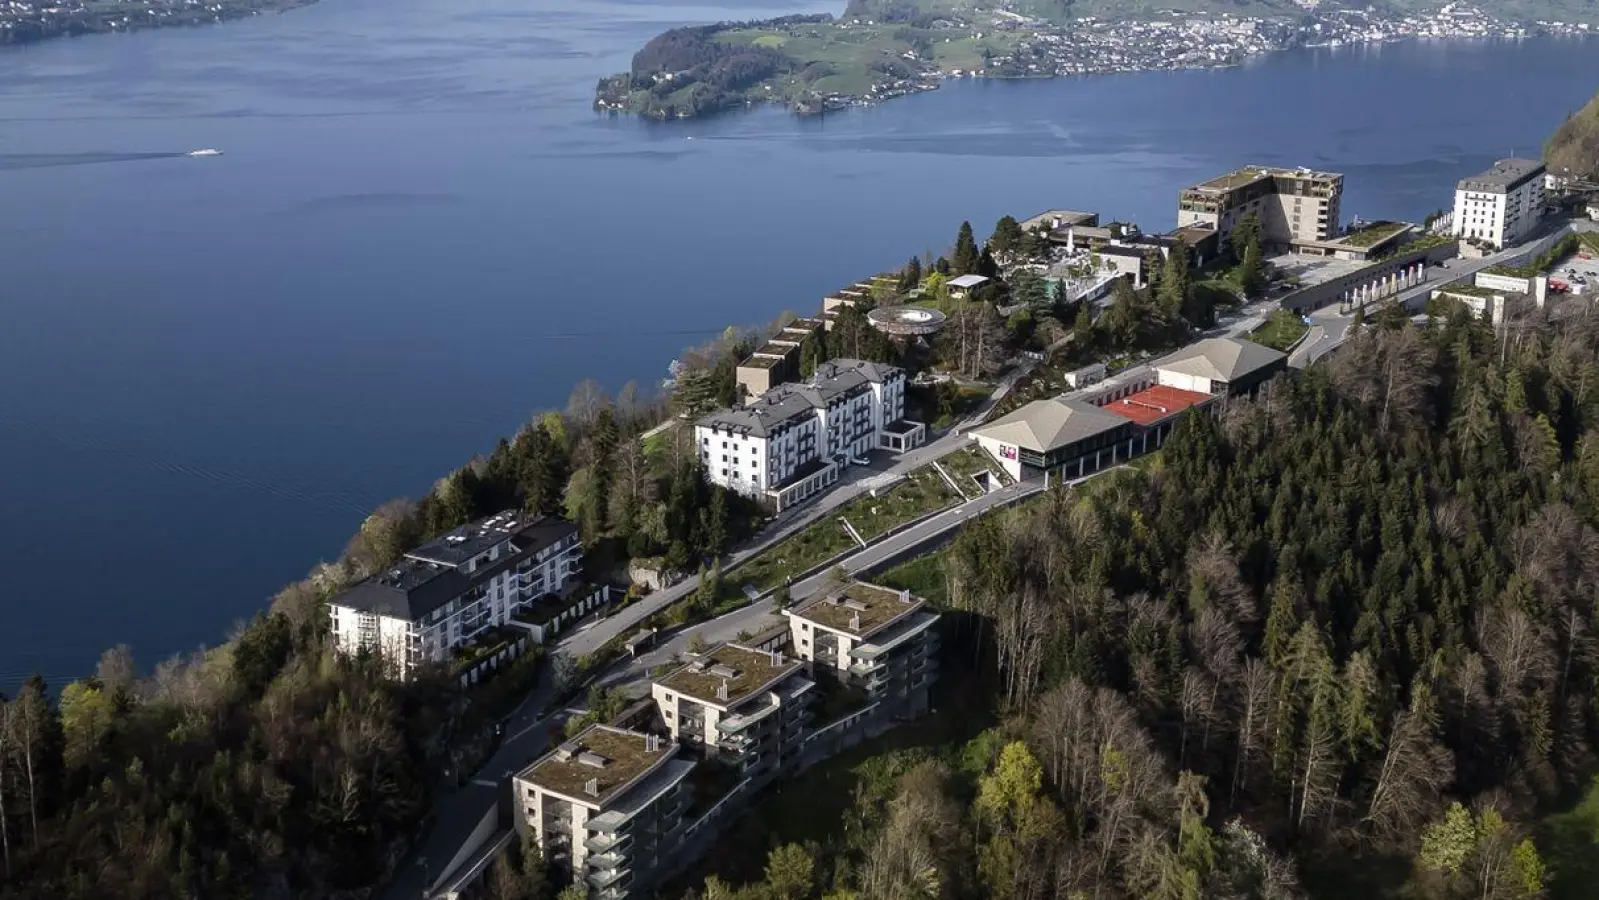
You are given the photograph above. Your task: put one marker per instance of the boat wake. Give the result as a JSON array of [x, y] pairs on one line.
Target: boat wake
[[57, 160]]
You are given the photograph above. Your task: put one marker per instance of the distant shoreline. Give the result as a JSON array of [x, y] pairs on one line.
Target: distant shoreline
[[23, 31], [814, 64]]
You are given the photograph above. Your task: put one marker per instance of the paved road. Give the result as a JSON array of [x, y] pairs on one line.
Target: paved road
[[457, 812], [1329, 327]]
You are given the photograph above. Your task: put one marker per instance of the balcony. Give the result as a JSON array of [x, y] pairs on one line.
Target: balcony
[[605, 842], [612, 860], [607, 877]]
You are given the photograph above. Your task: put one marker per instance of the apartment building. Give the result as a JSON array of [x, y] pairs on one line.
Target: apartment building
[[1502, 205], [790, 444], [878, 639], [451, 590], [744, 707], [608, 806], [1294, 206]]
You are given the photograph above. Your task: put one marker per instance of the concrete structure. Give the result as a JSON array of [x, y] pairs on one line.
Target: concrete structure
[[906, 321], [456, 589], [1128, 262], [1056, 434], [1229, 366], [1388, 277], [1294, 206], [607, 806], [1054, 219], [1502, 205], [874, 638], [740, 705], [778, 360], [1086, 376], [1593, 209], [790, 444]]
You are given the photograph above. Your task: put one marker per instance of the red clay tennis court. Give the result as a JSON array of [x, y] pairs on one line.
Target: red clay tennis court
[[1155, 404]]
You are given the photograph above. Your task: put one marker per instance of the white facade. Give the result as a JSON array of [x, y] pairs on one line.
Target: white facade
[[1183, 381], [1501, 206], [442, 595], [1007, 455], [790, 444]]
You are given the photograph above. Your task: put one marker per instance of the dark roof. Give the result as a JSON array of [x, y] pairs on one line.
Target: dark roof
[[1113, 250], [430, 576], [789, 402], [1505, 176]]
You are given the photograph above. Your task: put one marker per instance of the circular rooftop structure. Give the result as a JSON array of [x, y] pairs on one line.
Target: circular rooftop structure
[[906, 321]]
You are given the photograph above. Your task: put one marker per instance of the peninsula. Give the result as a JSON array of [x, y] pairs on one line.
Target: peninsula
[[27, 21], [881, 49]]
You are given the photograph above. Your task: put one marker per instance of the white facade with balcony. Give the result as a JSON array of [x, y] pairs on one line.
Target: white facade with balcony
[[453, 590], [790, 444], [1500, 206]]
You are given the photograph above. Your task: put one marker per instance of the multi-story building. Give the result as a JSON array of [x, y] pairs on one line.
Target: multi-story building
[[789, 444], [878, 639], [607, 806], [744, 707], [451, 590], [1502, 205], [1294, 206]]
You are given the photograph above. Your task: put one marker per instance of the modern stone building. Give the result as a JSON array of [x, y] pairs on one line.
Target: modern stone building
[[1294, 206]]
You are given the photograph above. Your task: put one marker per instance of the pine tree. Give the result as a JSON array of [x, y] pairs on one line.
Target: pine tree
[[966, 257], [910, 276]]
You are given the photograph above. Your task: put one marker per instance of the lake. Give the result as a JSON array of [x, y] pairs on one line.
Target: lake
[[419, 234]]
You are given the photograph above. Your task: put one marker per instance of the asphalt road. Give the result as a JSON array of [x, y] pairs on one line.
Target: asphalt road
[[457, 812], [1329, 328]]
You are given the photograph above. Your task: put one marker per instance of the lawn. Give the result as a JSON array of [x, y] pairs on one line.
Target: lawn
[[922, 576], [1280, 331], [967, 462], [922, 492]]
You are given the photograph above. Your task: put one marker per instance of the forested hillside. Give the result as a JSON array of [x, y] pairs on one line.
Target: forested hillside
[[1339, 642], [1575, 144]]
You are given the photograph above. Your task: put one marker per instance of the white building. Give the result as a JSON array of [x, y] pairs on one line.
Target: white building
[[789, 444], [880, 640], [1503, 204], [744, 707], [453, 590], [1228, 366], [609, 807]]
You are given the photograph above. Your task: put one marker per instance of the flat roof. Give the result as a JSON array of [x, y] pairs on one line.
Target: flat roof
[[1056, 218], [1505, 175], [967, 281], [1155, 404], [859, 609], [613, 758], [1250, 174], [1045, 425], [743, 671]]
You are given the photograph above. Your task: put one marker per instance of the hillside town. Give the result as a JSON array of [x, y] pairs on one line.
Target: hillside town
[[686, 726]]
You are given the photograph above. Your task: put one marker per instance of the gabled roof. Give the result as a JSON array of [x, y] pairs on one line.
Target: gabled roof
[[1219, 359], [1045, 425]]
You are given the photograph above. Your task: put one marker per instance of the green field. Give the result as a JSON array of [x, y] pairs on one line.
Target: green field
[[1281, 331]]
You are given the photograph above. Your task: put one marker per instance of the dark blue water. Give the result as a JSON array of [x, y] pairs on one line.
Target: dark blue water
[[419, 234]]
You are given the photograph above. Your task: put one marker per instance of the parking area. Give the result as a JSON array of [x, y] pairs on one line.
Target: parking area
[[1581, 274], [1314, 270]]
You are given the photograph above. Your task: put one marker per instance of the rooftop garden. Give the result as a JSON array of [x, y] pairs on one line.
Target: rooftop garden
[[1373, 234], [922, 492], [967, 462], [1469, 290], [1281, 331]]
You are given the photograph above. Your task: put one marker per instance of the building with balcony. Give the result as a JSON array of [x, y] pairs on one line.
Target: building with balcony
[[453, 590], [607, 806], [791, 443], [1502, 205], [879, 640], [744, 707], [1294, 206]]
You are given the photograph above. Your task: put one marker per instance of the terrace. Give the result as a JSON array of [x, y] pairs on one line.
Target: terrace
[[729, 674], [1155, 404], [609, 759], [859, 609]]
